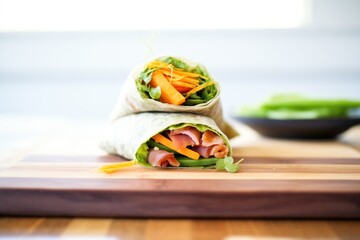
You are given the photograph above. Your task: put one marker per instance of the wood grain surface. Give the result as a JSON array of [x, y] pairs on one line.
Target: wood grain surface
[[200, 229], [264, 188], [65, 138]]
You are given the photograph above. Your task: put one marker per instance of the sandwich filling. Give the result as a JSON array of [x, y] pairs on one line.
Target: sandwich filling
[[170, 80], [184, 146]]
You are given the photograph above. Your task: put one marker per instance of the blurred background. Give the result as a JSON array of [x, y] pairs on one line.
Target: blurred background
[[68, 59]]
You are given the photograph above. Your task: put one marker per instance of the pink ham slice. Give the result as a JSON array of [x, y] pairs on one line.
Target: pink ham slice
[[203, 151], [183, 137], [161, 158], [219, 151], [211, 145], [210, 138]]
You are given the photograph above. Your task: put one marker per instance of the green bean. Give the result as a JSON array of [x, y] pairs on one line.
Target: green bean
[[187, 162]]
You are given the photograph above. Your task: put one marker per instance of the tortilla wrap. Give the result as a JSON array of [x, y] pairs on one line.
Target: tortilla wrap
[[126, 135], [130, 101]]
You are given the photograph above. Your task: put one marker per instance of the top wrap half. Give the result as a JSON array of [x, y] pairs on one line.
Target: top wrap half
[[169, 84]]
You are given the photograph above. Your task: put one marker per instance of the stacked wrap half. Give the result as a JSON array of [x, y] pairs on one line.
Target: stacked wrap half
[[193, 132]]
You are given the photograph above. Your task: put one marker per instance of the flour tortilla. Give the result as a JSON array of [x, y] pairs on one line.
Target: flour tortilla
[[125, 136], [130, 101]]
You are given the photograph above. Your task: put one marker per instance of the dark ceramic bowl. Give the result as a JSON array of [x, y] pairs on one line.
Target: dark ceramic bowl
[[300, 128]]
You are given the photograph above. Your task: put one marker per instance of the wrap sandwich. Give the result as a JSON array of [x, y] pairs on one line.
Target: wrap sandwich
[[172, 84], [165, 140]]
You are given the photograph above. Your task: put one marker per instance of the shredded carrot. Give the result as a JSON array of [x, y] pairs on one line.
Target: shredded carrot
[[189, 80], [172, 79], [170, 73], [168, 93], [110, 168], [168, 143], [189, 74], [159, 64], [174, 71], [192, 81], [198, 88]]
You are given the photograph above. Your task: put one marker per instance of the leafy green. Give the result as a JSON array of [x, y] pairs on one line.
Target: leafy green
[[199, 70], [194, 99], [209, 93], [292, 106], [141, 155], [177, 63], [147, 75], [200, 127], [155, 93], [142, 84], [228, 164], [232, 168]]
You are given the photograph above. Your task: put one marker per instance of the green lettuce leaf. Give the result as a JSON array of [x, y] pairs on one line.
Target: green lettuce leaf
[[141, 155], [177, 63]]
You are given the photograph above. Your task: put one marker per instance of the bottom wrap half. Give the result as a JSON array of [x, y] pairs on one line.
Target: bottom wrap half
[[167, 140]]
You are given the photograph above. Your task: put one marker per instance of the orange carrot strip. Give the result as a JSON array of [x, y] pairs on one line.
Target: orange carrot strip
[[182, 89], [168, 143], [198, 88], [168, 93], [110, 168], [183, 84]]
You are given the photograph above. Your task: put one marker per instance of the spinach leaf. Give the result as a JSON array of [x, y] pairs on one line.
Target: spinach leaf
[[155, 93], [177, 63], [228, 164]]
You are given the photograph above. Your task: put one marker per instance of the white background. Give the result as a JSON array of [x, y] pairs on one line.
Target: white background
[[78, 74]]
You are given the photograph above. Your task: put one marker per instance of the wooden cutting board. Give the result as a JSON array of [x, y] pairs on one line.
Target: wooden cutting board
[[264, 188]]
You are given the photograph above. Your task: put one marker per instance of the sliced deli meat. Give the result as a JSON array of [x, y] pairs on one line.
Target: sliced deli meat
[[203, 151], [161, 158], [210, 138], [181, 141], [219, 151], [183, 137], [207, 144]]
